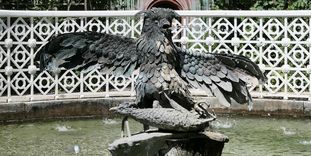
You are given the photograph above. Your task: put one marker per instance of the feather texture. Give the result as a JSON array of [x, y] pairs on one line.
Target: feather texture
[[225, 75], [110, 53]]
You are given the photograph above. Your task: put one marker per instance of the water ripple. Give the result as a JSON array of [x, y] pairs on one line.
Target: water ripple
[[63, 128], [287, 131], [109, 121], [76, 149], [222, 124], [305, 142]]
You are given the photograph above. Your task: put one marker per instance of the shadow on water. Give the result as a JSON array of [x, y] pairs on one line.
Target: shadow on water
[[248, 136]]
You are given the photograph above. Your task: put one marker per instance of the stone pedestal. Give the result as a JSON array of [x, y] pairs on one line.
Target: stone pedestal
[[155, 143]]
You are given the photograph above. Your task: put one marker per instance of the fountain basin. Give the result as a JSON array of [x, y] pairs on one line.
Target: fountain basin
[[99, 107], [248, 136]]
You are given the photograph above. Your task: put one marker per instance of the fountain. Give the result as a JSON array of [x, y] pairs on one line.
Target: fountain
[[163, 99]]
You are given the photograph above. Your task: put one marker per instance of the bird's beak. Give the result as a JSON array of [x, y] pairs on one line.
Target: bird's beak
[[165, 24]]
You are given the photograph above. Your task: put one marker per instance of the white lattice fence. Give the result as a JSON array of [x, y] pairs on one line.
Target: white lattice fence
[[279, 41]]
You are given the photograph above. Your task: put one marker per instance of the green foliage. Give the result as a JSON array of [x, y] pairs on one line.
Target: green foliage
[[300, 5], [268, 5], [46, 5], [260, 4], [282, 5], [231, 4], [64, 4]]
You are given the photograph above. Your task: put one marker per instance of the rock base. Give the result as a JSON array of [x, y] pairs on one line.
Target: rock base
[[169, 144]]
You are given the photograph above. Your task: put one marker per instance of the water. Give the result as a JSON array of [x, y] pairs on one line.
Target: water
[[61, 138], [266, 137], [248, 137]]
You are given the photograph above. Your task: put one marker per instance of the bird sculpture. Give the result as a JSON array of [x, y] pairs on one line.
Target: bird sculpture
[[165, 70]]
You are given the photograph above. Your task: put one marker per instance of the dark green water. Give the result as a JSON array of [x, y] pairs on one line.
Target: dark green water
[[248, 136]]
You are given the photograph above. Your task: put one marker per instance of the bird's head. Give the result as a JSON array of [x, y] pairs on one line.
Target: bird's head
[[158, 19]]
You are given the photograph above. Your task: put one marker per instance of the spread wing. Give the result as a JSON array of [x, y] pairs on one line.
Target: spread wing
[[86, 51], [223, 75]]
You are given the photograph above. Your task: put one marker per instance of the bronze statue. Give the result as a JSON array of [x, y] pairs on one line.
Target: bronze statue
[[165, 70]]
